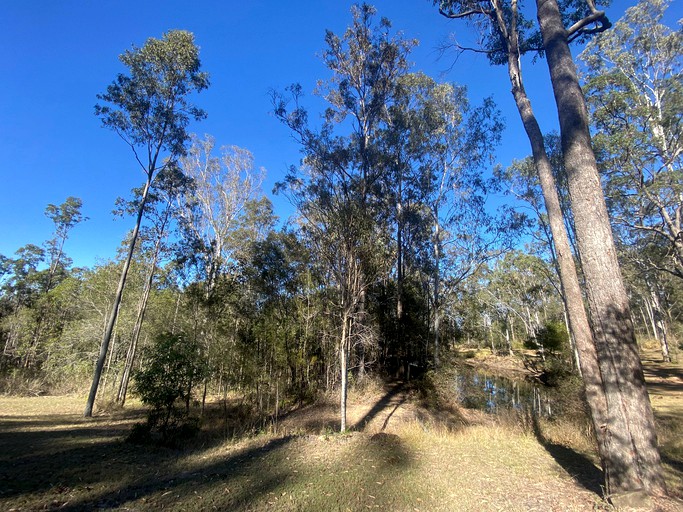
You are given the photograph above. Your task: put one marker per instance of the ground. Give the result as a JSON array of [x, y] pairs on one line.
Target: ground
[[407, 451]]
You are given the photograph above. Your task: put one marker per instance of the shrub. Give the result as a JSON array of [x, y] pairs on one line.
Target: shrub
[[552, 338], [173, 366]]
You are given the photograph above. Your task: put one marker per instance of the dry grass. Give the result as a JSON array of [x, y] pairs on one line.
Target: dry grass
[[409, 450], [80, 465], [665, 384], [398, 459]]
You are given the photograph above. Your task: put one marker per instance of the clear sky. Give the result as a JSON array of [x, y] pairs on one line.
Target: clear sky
[[58, 55]]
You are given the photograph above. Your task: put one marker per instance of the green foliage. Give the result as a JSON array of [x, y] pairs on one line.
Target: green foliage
[[149, 106], [173, 366], [552, 337], [634, 88]]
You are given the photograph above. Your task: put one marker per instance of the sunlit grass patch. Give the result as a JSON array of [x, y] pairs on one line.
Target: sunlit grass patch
[[403, 454]]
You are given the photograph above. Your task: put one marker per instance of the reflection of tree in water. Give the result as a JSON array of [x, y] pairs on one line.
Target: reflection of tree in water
[[494, 394]]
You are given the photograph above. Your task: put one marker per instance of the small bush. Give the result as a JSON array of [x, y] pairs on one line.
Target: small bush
[[174, 365], [551, 338], [141, 433]]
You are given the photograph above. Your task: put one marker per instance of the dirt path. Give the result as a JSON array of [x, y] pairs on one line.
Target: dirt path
[[664, 383]]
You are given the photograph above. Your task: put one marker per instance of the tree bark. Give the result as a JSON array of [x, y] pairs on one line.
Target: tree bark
[[630, 455], [437, 288], [571, 291], [117, 301], [132, 347], [659, 325], [344, 372]]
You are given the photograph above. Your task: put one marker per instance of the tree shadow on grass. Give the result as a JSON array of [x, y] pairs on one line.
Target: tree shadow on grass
[[390, 398], [234, 473], [577, 465], [244, 479], [47, 465]]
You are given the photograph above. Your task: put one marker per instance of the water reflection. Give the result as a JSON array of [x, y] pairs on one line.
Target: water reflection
[[495, 394]]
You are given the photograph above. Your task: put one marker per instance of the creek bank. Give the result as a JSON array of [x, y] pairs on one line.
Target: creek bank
[[498, 385], [514, 367]]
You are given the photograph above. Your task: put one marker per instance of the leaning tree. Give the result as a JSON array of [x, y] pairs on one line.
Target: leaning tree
[[149, 109]]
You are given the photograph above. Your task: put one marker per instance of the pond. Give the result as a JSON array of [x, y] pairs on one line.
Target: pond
[[495, 394]]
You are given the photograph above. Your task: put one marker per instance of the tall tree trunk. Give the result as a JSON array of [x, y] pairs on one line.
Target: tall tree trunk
[[659, 323], [437, 286], [343, 368], [175, 312], [645, 321], [576, 362], [631, 457], [142, 308], [569, 281], [399, 257], [651, 317], [508, 341], [117, 301]]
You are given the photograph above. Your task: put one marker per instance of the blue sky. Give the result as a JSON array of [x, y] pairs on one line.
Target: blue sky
[[58, 55]]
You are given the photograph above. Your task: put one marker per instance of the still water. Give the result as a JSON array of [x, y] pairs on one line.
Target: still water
[[495, 394]]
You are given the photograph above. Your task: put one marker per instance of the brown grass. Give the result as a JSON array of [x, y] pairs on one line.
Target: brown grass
[[411, 449]]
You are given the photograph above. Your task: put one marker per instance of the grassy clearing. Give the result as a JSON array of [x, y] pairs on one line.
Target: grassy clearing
[[62, 462], [408, 452]]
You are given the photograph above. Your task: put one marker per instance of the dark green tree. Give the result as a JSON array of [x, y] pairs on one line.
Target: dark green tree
[[336, 190], [22, 287], [435, 148], [173, 367]]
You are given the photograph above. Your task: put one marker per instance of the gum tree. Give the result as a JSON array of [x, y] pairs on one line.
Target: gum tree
[[212, 208], [612, 372], [149, 109], [336, 190], [65, 217], [631, 458], [635, 94]]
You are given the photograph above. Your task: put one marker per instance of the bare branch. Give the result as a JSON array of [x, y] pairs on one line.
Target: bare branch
[[579, 28], [464, 14]]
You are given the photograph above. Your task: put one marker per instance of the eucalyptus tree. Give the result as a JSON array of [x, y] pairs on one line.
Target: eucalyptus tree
[[221, 212], [521, 182], [650, 288], [635, 464], [437, 145], [24, 281], [222, 188], [634, 88], [508, 37], [335, 190], [149, 109], [21, 289], [517, 288], [619, 405], [65, 217], [161, 210], [277, 273]]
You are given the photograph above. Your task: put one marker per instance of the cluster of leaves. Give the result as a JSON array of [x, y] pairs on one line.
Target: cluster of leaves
[[173, 365]]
